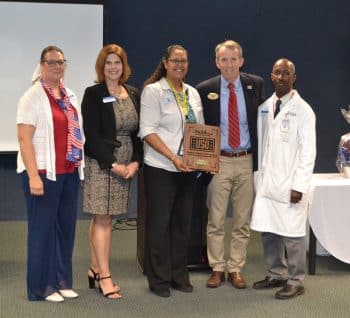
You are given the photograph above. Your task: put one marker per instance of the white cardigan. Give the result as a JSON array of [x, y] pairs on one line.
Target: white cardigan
[[34, 109]]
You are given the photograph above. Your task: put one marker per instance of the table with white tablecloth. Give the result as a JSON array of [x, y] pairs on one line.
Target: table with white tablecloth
[[329, 216]]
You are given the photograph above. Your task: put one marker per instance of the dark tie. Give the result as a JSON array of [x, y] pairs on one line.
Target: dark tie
[[277, 108], [233, 120]]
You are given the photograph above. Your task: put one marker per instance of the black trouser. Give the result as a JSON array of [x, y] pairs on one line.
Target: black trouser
[[169, 197]]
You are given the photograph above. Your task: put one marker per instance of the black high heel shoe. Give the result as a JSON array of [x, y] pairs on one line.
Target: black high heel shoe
[[93, 279], [110, 293]]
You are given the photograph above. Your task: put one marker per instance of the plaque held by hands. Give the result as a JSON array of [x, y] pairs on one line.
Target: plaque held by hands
[[202, 147]]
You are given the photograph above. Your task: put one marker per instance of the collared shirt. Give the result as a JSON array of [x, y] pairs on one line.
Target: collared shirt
[[160, 114], [284, 99], [242, 114]]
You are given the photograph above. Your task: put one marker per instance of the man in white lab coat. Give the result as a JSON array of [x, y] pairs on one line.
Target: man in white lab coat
[[286, 156]]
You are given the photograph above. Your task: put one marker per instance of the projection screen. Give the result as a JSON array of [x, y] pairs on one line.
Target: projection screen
[[25, 29]]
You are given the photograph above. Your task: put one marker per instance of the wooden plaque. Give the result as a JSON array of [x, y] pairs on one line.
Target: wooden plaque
[[202, 147]]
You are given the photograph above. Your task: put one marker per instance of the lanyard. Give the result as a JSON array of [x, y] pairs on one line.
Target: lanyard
[[181, 98]]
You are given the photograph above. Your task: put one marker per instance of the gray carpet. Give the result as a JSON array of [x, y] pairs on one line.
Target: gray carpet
[[327, 293]]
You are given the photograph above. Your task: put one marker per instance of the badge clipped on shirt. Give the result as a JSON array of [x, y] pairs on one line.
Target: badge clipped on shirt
[[108, 99], [180, 150], [284, 128], [166, 101], [285, 125]]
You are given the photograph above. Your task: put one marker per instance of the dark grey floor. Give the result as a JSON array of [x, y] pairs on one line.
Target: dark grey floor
[[327, 293]]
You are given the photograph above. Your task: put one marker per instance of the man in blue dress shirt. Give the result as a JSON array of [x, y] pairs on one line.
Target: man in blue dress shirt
[[234, 182]]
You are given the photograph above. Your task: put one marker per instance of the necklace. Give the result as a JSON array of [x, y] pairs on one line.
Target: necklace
[[115, 91]]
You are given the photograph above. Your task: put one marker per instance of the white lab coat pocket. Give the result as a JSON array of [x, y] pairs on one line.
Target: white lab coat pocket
[[276, 187]]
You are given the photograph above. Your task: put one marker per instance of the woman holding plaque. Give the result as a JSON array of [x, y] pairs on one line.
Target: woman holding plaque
[[167, 103]]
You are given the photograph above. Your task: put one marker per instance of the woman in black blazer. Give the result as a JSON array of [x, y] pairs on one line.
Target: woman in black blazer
[[113, 152]]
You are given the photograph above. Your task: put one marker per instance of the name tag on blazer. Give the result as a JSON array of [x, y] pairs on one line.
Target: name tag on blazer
[[108, 99]]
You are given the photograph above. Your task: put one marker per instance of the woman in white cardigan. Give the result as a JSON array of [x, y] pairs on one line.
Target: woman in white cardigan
[[50, 161]]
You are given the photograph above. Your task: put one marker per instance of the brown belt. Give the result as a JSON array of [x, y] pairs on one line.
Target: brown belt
[[235, 153]]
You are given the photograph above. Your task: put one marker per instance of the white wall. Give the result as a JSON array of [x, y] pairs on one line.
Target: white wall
[[25, 29]]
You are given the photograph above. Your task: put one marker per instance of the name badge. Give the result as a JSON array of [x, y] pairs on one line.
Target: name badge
[[264, 113], [285, 125], [180, 151], [166, 100], [108, 99]]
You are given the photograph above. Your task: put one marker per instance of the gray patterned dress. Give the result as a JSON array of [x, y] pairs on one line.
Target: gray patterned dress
[[104, 192]]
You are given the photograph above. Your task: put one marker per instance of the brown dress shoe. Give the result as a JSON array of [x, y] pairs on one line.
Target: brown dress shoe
[[215, 279], [237, 280]]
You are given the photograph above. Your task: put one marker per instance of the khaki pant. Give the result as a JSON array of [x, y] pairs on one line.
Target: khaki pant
[[234, 183]]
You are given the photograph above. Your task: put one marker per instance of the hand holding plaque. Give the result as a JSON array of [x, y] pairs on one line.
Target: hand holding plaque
[[202, 147]]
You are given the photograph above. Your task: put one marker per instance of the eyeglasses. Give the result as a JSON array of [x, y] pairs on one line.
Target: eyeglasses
[[53, 63], [178, 62]]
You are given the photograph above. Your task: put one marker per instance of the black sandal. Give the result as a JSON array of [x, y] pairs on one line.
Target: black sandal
[[110, 293], [93, 279]]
